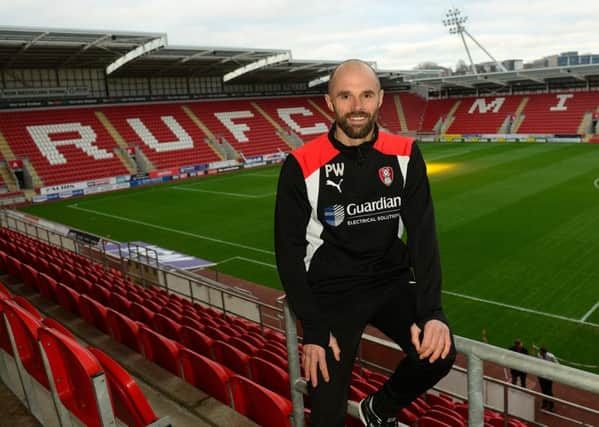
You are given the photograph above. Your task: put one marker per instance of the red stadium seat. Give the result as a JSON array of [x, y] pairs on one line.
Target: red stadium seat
[[142, 314], [243, 345], [123, 329], [167, 327], [232, 358], [13, 266], [216, 333], [206, 374], [77, 377], [128, 402], [159, 349], [270, 376], [93, 313], [51, 323], [29, 277], [273, 358], [193, 322], [68, 298], [442, 400], [120, 303], [446, 417], [47, 286], [265, 407], [24, 327], [28, 306], [100, 294], [426, 421], [4, 290], [197, 341]]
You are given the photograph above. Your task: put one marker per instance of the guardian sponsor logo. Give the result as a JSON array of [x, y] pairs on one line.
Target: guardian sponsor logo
[[381, 204], [334, 215], [383, 209]]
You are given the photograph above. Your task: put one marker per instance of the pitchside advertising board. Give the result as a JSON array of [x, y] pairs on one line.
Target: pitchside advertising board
[[82, 188]]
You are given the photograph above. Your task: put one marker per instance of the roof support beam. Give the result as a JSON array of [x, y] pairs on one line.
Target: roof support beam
[[24, 48], [136, 53], [261, 63], [84, 48]]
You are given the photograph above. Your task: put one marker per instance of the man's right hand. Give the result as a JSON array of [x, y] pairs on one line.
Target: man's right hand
[[314, 358]]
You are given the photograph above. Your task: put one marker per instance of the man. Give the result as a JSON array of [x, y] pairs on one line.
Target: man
[[519, 348], [547, 385], [342, 203]]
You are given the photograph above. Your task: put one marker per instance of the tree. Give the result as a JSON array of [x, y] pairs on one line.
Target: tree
[[461, 67]]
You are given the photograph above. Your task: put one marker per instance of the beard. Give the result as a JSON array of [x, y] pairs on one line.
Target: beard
[[356, 132]]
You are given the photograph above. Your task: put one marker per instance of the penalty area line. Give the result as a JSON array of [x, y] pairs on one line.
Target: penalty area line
[[588, 313], [523, 309]]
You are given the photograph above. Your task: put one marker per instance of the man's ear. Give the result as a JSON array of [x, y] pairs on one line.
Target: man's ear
[[381, 95], [329, 102]]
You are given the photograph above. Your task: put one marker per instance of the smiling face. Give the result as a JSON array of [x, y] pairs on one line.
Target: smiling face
[[355, 96]]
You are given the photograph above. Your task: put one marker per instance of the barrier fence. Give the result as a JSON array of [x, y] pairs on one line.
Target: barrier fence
[[145, 269]]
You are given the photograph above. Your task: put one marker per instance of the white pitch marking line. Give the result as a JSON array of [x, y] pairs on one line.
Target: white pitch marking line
[[588, 313], [172, 230], [224, 193], [526, 310], [266, 264]]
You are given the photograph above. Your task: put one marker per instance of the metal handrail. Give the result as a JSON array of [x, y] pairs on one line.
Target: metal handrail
[[476, 352]]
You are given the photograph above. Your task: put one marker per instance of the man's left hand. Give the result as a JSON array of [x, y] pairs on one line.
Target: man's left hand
[[436, 340]]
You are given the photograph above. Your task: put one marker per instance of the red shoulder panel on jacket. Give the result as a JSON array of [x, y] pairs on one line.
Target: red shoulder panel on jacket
[[314, 154], [395, 145]]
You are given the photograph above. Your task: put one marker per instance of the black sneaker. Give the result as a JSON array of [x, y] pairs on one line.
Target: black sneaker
[[370, 418]]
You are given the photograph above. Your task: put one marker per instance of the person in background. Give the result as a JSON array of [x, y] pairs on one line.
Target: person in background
[[519, 347], [547, 385]]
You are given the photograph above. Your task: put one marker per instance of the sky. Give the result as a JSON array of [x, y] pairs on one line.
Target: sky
[[397, 34]]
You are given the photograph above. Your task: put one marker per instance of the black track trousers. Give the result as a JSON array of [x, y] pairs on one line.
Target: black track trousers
[[390, 309]]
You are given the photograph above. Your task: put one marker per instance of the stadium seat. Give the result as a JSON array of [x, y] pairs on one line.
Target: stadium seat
[[120, 303], [24, 327], [28, 306], [273, 358], [197, 341], [128, 401], [216, 333], [167, 327], [142, 314], [365, 387], [4, 290], [47, 286], [68, 298], [206, 374], [442, 400], [51, 323], [452, 419], [159, 349], [100, 294], [270, 376], [93, 313], [123, 329], [29, 277], [243, 345], [425, 421], [231, 357], [259, 404], [78, 378], [13, 266]]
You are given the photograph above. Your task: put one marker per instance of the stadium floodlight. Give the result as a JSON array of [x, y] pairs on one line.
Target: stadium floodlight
[[454, 20]]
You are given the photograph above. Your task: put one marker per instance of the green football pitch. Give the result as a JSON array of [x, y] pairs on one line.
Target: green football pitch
[[518, 229]]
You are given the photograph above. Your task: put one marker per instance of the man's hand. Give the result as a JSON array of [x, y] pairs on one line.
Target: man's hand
[[435, 341], [314, 358]]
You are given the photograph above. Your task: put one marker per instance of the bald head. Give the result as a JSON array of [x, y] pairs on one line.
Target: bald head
[[351, 67]]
